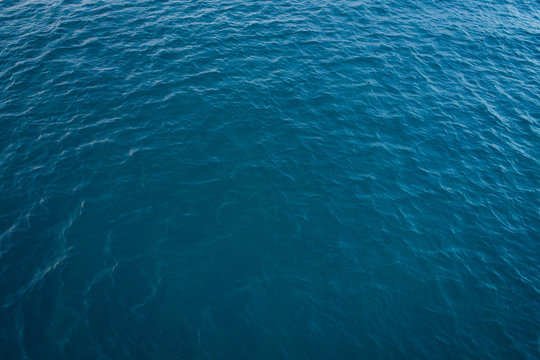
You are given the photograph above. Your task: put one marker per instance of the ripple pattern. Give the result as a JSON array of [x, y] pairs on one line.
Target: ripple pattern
[[269, 179]]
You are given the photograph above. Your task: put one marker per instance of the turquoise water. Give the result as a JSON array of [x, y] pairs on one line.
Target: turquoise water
[[269, 179]]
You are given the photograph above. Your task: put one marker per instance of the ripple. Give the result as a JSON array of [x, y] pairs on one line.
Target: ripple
[[253, 180]]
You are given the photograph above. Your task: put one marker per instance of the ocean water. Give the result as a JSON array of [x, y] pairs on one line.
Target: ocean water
[[270, 179]]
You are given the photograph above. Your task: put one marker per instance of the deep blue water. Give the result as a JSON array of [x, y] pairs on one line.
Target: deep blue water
[[270, 179]]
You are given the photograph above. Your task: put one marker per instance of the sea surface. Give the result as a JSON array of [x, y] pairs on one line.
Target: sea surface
[[270, 179]]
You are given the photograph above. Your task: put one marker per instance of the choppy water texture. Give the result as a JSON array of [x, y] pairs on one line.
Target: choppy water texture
[[269, 179]]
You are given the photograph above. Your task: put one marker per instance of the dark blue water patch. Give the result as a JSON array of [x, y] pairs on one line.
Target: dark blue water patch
[[346, 179]]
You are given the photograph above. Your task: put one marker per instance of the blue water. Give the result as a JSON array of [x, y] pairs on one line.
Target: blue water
[[270, 179]]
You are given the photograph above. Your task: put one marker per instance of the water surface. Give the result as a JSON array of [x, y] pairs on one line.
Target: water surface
[[269, 179]]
